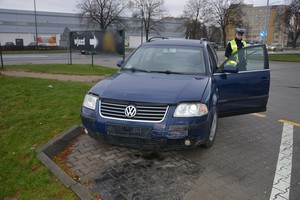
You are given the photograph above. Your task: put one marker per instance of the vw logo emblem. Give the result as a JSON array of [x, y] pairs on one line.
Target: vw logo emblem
[[130, 111]]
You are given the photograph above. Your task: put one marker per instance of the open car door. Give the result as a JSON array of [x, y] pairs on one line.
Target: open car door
[[243, 82]]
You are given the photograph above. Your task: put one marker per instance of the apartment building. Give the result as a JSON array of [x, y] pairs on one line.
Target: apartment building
[[260, 27]]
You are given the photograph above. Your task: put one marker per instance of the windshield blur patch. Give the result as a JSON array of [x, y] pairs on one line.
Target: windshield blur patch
[[169, 60], [169, 50]]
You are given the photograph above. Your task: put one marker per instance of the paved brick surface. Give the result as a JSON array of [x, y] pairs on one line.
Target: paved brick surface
[[240, 165], [242, 161], [121, 173]]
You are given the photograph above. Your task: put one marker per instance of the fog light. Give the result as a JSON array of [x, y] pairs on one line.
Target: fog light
[[86, 131], [187, 142]]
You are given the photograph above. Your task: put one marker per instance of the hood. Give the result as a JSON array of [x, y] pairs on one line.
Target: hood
[[151, 87]]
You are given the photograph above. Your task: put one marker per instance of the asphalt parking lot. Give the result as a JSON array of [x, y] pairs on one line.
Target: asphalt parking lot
[[52, 58], [254, 157]]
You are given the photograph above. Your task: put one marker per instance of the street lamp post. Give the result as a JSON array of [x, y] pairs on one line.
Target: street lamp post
[[1, 58], [142, 34], [36, 35], [267, 20], [142, 25], [266, 24]]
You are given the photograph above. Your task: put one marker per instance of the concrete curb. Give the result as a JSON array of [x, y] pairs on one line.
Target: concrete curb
[[51, 149]]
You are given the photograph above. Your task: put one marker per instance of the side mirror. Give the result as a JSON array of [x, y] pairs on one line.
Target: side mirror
[[120, 63], [230, 69]]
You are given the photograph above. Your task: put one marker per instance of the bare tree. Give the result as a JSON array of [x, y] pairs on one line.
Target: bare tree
[[151, 12], [101, 13], [225, 13], [289, 21], [214, 34], [194, 15]]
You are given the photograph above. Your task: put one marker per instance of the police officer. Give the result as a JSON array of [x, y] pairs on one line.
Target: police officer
[[233, 46]]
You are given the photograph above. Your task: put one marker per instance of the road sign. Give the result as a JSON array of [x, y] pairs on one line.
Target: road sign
[[263, 33], [111, 41]]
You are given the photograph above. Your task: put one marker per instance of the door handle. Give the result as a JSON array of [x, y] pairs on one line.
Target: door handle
[[265, 78]]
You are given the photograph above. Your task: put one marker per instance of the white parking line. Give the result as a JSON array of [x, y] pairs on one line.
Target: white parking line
[[282, 179]]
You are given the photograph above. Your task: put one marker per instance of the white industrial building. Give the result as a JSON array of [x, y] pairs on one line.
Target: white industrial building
[[19, 27]]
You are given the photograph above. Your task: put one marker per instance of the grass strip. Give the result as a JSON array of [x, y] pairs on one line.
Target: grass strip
[[33, 111], [284, 57]]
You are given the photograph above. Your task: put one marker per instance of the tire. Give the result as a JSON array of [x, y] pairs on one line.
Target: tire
[[213, 131]]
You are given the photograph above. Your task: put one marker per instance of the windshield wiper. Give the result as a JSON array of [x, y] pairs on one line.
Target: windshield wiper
[[133, 69], [167, 72]]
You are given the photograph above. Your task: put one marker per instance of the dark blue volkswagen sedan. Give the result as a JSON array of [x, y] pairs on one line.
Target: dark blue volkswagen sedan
[[170, 93]]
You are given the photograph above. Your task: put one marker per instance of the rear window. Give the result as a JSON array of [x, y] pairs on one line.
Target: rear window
[[177, 59]]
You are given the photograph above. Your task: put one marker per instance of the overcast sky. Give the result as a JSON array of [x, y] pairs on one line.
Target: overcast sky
[[175, 7]]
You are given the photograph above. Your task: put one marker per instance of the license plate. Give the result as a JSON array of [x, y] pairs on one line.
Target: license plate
[[129, 131]]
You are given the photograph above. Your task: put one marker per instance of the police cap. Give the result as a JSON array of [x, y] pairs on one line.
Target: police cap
[[240, 31]]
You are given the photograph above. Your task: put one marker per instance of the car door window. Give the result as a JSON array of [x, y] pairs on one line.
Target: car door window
[[249, 59], [255, 58]]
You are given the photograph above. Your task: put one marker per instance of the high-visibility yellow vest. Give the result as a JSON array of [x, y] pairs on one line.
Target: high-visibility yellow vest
[[234, 45], [234, 48]]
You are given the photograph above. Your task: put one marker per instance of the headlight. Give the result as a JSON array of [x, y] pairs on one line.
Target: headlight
[[90, 101], [190, 110]]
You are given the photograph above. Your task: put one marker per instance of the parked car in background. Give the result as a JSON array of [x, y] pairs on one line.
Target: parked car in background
[[32, 44], [9, 44], [40, 45], [275, 47], [170, 93]]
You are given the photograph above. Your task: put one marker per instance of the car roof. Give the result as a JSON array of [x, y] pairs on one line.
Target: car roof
[[175, 42]]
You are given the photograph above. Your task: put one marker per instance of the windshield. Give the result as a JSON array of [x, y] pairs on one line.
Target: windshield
[[158, 59]]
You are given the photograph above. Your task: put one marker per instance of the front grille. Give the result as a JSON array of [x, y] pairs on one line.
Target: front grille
[[152, 112]]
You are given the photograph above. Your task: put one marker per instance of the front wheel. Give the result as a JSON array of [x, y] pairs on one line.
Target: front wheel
[[213, 131]]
